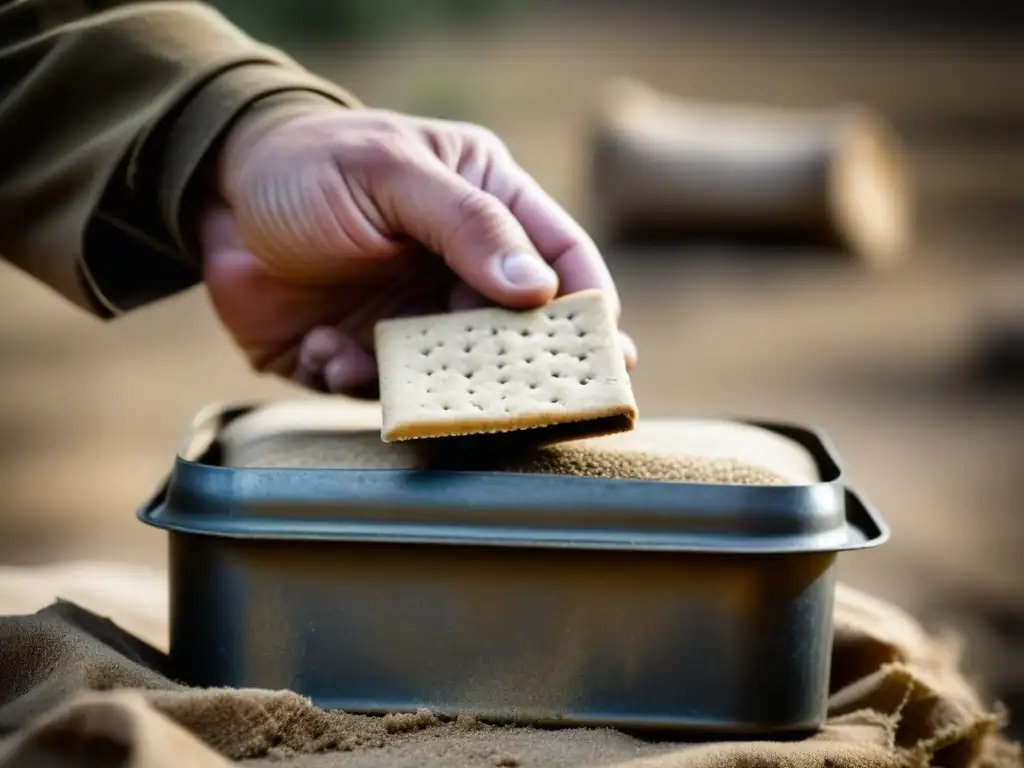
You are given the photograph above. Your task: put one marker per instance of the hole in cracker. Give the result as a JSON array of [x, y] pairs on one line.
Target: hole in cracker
[[571, 316], [528, 359], [502, 350], [503, 379], [444, 366], [470, 391], [551, 334], [534, 385], [585, 380], [494, 331], [467, 348], [524, 333], [581, 333], [556, 401], [501, 365], [446, 407], [582, 357]]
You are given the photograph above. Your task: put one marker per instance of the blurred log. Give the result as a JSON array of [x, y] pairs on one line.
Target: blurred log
[[668, 167]]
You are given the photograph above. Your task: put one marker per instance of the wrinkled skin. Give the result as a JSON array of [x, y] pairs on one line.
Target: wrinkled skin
[[337, 218]]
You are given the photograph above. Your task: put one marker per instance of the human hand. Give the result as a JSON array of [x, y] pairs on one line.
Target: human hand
[[335, 219]]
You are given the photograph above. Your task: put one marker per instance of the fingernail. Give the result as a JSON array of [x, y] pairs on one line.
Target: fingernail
[[527, 270]]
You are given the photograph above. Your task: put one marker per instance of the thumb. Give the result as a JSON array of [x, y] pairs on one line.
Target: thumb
[[476, 234]]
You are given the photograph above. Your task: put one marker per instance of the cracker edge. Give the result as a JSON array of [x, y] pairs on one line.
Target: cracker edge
[[424, 430]]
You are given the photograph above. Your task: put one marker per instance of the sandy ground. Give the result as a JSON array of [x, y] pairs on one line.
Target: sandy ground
[[91, 413]]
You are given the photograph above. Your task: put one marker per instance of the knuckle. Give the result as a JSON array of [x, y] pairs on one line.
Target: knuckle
[[479, 209], [483, 222], [387, 148], [484, 137]]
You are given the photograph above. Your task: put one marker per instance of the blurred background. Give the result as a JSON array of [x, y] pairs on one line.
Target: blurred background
[[895, 364]]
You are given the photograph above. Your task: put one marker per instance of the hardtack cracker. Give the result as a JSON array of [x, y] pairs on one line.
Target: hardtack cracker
[[559, 369]]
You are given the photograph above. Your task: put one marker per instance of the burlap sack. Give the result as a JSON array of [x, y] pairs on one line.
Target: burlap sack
[[77, 690]]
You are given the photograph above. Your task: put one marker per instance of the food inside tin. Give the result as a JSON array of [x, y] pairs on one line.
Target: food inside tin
[[326, 433], [556, 372]]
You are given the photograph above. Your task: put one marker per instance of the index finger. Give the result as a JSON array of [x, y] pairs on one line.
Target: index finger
[[558, 237]]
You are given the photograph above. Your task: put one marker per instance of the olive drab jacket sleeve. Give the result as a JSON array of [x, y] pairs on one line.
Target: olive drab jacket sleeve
[[109, 114]]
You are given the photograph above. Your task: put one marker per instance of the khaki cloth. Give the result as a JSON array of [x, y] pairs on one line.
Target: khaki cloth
[[76, 689], [111, 115]]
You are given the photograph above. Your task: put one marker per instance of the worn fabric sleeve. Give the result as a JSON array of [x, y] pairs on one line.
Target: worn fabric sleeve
[[109, 117]]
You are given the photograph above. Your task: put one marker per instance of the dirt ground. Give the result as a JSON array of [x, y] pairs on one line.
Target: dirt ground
[[91, 413]]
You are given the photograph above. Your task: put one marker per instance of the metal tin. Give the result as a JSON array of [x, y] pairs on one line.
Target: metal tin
[[515, 598]]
